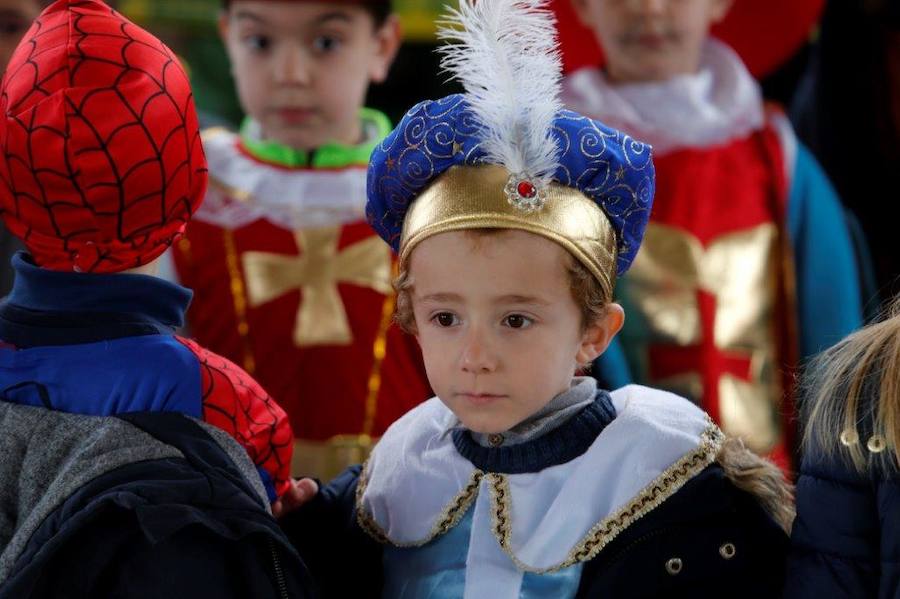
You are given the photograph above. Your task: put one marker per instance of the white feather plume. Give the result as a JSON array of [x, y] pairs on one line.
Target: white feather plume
[[505, 54]]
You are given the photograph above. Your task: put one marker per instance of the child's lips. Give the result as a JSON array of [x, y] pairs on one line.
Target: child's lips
[[480, 399], [652, 41], [294, 116]]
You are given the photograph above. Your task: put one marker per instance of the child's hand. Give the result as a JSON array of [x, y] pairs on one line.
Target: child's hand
[[301, 491]]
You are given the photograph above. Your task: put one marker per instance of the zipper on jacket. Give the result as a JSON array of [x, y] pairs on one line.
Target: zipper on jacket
[[279, 573]]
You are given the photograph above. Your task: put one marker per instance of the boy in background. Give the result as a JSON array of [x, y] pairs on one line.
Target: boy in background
[[289, 280], [747, 266]]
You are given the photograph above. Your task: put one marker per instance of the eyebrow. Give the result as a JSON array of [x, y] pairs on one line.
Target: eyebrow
[[320, 20], [441, 297], [333, 16], [522, 299], [503, 299], [243, 14]]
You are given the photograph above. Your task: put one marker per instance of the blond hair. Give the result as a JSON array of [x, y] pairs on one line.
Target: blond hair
[[853, 397]]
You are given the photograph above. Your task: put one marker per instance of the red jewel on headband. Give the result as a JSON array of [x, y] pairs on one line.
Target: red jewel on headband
[[523, 193], [526, 189]]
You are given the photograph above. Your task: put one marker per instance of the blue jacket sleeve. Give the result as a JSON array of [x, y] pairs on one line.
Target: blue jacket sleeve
[[834, 541], [846, 538], [343, 559], [828, 283]]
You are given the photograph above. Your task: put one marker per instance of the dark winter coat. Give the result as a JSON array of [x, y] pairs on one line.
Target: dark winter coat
[[147, 505]]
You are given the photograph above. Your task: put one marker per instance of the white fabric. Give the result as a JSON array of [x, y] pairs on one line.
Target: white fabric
[[290, 198], [415, 471], [489, 572], [404, 505], [719, 103], [789, 143]]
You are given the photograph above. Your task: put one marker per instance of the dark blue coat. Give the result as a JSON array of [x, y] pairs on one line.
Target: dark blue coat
[[846, 538], [691, 526], [187, 523]]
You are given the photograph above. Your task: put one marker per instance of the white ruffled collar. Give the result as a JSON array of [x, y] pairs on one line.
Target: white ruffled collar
[[721, 102], [416, 486], [243, 190]]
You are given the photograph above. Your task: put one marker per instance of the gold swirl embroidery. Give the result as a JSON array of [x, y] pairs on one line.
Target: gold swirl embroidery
[[602, 533], [449, 517]]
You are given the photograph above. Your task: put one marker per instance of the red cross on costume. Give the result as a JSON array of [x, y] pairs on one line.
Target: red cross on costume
[[705, 358]]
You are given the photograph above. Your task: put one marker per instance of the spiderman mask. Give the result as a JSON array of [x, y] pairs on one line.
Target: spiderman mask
[[102, 165]]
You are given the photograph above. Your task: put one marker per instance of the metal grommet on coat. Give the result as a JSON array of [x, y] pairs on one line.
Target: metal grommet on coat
[[876, 444], [849, 437], [727, 551], [674, 566]]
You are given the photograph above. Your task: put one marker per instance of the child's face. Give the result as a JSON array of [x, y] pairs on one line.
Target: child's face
[[499, 329], [651, 40], [15, 19], [302, 68]]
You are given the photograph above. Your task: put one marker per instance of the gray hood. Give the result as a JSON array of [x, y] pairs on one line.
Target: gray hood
[[46, 456]]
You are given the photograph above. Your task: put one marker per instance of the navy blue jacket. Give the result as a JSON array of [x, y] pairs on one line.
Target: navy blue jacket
[[693, 525], [188, 523], [846, 537]]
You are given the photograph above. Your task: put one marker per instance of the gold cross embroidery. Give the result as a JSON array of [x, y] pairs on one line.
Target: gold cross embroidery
[[738, 270], [316, 272]]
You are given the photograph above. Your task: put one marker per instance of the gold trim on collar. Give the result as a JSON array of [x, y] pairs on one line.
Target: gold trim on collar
[[449, 517], [603, 533], [473, 197], [599, 536]]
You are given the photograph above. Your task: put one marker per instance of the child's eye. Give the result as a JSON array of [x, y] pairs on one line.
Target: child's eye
[[13, 25], [258, 43], [326, 43], [517, 321], [445, 319]]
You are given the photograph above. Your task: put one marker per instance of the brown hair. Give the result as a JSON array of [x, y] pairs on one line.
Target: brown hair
[[586, 290], [853, 396], [380, 11]]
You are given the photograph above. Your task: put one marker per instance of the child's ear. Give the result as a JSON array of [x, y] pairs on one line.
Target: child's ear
[[597, 337], [388, 38], [582, 10], [719, 9], [224, 25]]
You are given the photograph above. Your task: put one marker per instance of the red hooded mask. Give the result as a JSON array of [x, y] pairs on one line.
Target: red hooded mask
[[102, 165]]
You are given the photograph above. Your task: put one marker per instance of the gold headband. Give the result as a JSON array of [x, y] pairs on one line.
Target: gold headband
[[474, 197]]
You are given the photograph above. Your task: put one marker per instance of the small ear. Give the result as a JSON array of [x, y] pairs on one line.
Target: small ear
[[388, 38], [719, 9], [224, 25], [599, 335], [582, 10]]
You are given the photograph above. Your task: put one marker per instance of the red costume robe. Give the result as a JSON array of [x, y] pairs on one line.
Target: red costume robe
[[291, 283]]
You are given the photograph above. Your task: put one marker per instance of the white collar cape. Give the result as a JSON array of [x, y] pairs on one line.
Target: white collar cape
[[416, 486]]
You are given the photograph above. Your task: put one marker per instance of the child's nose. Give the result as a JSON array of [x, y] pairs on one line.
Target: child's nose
[[477, 357], [649, 7], [292, 67]]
